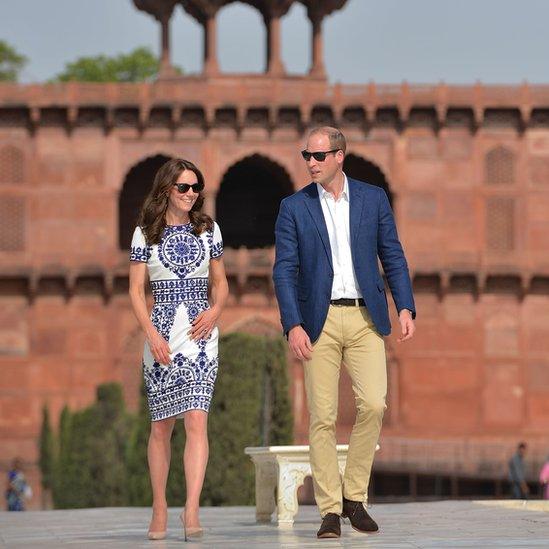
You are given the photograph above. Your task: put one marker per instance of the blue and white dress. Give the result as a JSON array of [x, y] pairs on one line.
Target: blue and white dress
[[178, 271]]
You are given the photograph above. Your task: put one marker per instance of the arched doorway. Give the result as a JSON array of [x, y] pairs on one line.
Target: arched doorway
[[136, 186], [359, 168], [248, 200]]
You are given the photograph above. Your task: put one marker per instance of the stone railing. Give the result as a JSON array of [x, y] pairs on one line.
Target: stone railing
[[476, 458]]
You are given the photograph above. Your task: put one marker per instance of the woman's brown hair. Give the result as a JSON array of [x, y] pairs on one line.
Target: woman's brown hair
[[152, 218]]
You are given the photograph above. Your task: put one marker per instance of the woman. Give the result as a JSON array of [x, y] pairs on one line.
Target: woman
[[179, 247]]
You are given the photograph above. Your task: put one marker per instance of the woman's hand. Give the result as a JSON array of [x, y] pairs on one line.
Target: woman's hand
[[204, 323], [159, 348]]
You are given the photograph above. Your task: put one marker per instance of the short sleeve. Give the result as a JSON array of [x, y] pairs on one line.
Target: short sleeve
[[216, 249], [139, 250]]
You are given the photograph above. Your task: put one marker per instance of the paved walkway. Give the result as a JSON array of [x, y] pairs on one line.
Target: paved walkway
[[406, 525]]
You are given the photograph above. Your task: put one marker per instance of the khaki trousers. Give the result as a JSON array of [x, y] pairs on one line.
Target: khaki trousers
[[348, 335]]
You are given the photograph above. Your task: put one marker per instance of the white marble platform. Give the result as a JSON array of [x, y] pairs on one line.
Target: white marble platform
[[431, 525]]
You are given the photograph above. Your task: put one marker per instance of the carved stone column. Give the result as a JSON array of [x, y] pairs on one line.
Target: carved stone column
[[272, 11], [317, 54], [211, 64], [317, 11], [162, 11], [275, 66], [205, 11], [166, 67]]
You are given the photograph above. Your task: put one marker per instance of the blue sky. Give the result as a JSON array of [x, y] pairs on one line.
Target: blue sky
[[495, 41]]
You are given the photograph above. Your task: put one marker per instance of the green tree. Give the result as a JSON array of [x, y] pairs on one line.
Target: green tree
[[251, 407], [139, 65], [91, 468], [11, 62], [64, 469], [139, 492], [47, 450]]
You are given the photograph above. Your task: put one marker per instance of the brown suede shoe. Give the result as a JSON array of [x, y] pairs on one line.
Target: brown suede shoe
[[330, 527], [361, 521]]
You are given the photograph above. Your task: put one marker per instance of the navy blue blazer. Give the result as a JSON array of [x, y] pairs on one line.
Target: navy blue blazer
[[303, 271]]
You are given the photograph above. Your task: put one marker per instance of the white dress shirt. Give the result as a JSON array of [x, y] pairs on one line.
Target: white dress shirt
[[336, 215]]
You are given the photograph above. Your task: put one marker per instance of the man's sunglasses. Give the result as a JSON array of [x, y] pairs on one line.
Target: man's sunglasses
[[184, 187], [319, 156]]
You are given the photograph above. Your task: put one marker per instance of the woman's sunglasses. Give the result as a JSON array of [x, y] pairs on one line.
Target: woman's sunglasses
[[319, 156], [184, 187]]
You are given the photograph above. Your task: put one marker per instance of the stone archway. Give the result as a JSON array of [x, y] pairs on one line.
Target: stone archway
[[137, 184], [359, 168], [248, 200]]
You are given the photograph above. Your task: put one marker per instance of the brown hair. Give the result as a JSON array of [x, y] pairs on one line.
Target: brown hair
[[335, 136], [152, 218]]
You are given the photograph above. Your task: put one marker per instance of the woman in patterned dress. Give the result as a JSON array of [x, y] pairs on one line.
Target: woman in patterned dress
[[180, 249]]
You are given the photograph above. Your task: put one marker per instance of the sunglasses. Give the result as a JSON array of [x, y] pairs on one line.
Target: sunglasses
[[319, 156], [184, 187]]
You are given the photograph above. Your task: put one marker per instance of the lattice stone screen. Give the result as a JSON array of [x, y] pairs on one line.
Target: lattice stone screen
[[500, 223], [499, 167], [12, 223], [12, 164]]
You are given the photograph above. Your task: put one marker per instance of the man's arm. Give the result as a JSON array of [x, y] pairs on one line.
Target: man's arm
[[286, 267], [285, 272], [393, 260]]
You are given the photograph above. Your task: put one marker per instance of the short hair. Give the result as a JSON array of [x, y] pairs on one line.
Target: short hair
[[522, 446], [337, 139]]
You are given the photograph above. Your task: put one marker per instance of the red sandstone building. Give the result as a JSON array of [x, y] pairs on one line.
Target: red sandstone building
[[467, 170]]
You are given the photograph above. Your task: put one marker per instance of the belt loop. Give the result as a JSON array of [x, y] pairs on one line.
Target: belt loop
[[356, 302]]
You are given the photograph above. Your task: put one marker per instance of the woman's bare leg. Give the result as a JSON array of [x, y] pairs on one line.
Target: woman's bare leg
[[158, 454], [195, 459]]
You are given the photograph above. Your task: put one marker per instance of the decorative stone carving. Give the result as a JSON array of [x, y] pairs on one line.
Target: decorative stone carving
[[499, 166]]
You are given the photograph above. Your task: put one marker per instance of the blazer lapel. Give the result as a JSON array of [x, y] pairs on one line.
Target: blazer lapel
[[356, 199], [315, 209]]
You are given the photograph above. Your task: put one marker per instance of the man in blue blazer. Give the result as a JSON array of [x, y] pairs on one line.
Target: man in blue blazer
[[333, 308]]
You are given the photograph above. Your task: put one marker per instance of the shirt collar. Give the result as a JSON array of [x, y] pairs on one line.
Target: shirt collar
[[322, 193]]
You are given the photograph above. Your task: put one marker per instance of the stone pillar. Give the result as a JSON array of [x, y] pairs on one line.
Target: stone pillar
[[162, 11], [317, 11], [211, 65], [317, 69], [166, 68], [275, 66]]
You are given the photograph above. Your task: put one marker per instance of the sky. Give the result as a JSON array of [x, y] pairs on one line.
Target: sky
[[387, 41]]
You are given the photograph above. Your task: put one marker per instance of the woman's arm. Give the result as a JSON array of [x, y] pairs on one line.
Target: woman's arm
[[205, 322], [158, 345]]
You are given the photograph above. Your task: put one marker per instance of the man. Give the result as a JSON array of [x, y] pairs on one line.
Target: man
[[333, 308], [517, 477]]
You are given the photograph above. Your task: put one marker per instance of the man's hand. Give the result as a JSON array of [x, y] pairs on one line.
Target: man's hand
[[407, 325], [299, 343], [159, 347]]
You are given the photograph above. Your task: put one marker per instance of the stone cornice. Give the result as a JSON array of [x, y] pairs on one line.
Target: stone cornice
[[242, 92]]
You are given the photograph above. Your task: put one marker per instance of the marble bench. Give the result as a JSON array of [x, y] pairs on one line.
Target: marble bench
[[279, 472]]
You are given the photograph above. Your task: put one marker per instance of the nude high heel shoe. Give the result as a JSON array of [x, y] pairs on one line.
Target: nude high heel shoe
[[192, 533], [156, 535], [159, 534]]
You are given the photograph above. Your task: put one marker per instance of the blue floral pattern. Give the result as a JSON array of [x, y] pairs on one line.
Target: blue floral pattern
[[139, 253], [180, 250]]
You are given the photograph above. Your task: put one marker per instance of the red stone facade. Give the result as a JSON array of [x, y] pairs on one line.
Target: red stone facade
[[468, 171]]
